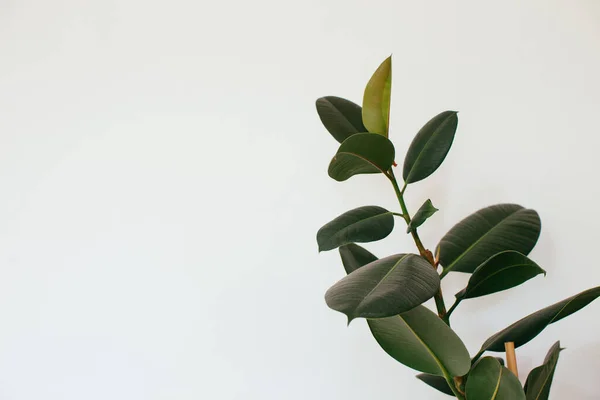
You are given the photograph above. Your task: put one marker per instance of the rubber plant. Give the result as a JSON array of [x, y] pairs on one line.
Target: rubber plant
[[492, 245]]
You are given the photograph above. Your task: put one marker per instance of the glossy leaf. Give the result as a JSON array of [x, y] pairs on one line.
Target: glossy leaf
[[341, 117], [487, 232], [539, 381], [384, 287], [430, 147], [362, 224], [376, 100], [436, 382], [362, 153], [420, 340], [354, 256], [491, 381], [422, 214], [500, 272], [529, 327]]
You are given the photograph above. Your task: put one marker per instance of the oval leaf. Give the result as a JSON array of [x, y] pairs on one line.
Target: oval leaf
[[539, 381], [430, 147], [436, 382], [362, 153], [354, 256], [363, 224], [422, 214], [341, 117], [420, 340], [487, 232], [376, 100], [529, 327], [490, 381], [385, 287], [500, 272]]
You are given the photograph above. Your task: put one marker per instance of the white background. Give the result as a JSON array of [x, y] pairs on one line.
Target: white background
[[163, 175]]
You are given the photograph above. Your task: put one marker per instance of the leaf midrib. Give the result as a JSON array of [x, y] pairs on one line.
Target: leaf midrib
[[335, 235], [380, 281], [460, 257], [435, 133]]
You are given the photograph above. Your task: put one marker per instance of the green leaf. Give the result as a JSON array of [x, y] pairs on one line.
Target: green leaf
[[341, 117], [354, 256], [376, 100], [420, 340], [384, 287], [422, 214], [490, 381], [436, 382], [539, 381], [529, 327], [430, 147], [362, 224], [488, 232], [362, 153], [500, 272]]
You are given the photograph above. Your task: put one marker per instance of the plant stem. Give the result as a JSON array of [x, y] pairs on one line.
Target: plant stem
[[439, 299]]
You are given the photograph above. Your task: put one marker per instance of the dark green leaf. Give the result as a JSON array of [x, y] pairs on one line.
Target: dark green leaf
[[529, 327], [436, 382], [384, 287], [355, 256], [490, 381], [420, 340], [362, 153], [539, 381], [500, 272], [363, 224], [430, 147], [424, 212], [341, 117], [488, 232], [376, 100]]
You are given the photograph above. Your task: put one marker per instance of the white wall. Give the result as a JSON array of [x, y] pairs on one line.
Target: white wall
[[163, 175]]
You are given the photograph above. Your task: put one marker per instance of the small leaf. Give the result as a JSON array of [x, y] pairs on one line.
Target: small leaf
[[436, 382], [376, 100], [529, 327], [488, 232], [430, 147], [363, 224], [384, 287], [539, 381], [341, 117], [355, 256], [420, 340], [490, 381], [422, 214], [362, 153], [500, 272]]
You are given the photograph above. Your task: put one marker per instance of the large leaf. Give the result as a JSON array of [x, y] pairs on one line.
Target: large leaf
[[354, 256], [436, 382], [385, 287], [341, 117], [376, 100], [500, 272], [363, 224], [539, 381], [430, 147], [491, 381], [362, 153], [529, 327], [488, 232], [422, 214], [420, 340]]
